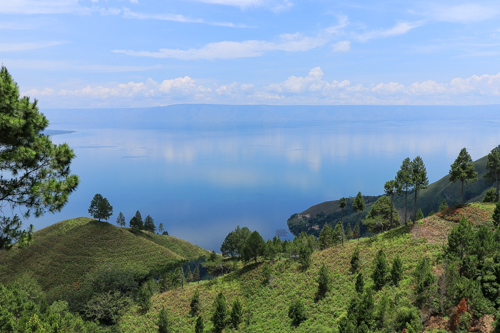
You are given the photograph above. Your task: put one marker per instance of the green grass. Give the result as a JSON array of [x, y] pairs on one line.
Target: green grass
[[176, 245], [64, 252]]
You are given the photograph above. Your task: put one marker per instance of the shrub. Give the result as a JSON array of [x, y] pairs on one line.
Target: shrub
[[323, 283], [396, 270], [297, 312], [106, 307], [490, 195], [163, 324], [380, 271], [236, 313], [355, 260], [220, 313]]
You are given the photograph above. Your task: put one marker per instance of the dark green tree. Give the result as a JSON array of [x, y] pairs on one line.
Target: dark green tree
[[420, 214], [160, 229], [366, 310], [390, 189], [254, 247], [360, 283], [355, 260], [379, 217], [338, 234], [325, 237], [163, 324], [100, 208], [236, 313], [234, 242], [266, 273], [396, 270], [443, 205], [200, 326], [493, 167], [356, 232], [380, 270], [187, 274], [463, 170], [144, 299], [359, 205], [342, 205], [348, 231], [195, 303], [431, 213], [404, 181], [34, 172], [220, 313], [305, 253], [149, 224], [136, 223], [196, 273], [419, 179], [496, 214], [120, 220], [297, 312], [323, 283], [490, 195]]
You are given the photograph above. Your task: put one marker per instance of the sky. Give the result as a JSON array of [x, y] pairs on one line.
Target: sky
[[140, 53]]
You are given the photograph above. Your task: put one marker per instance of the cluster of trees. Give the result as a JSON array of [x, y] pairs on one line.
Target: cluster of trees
[[136, 223]]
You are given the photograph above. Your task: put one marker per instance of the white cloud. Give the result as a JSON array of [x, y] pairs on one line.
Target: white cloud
[[39, 6], [399, 29], [15, 47], [128, 14], [309, 89], [463, 13], [342, 46], [276, 5]]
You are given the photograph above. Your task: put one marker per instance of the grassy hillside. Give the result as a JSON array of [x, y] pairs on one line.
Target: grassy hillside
[[266, 305], [176, 245], [428, 199], [64, 252]]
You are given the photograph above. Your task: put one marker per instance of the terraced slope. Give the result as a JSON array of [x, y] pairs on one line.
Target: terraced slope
[[64, 252]]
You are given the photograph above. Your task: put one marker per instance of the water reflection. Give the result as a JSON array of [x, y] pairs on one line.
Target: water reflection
[[202, 183]]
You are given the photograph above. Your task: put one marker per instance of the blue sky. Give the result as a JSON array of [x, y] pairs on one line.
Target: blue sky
[[130, 53]]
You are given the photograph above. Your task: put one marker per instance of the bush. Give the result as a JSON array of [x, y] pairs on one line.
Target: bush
[[490, 195], [106, 307], [396, 270], [220, 313], [297, 312], [236, 313], [380, 271], [163, 324], [355, 260]]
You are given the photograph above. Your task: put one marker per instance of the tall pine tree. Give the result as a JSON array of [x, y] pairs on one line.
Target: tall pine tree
[[463, 170], [220, 313], [419, 179], [404, 182], [390, 190], [493, 167], [359, 205]]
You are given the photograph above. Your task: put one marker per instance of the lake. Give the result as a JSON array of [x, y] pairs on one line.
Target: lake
[[202, 170]]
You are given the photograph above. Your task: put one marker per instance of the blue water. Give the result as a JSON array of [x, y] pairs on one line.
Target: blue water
[[201, 179]]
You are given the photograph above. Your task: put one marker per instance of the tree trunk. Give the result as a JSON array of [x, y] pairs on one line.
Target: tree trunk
[[406, 204], [462, 192], [392, 204], [415, 206]]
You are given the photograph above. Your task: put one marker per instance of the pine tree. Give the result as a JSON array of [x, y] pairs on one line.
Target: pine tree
[[120, 220], [359, 205], [443, 206], [404, 182], [188, 275], [419, 179], [149, 224], [160, 229], [490, 195], [338, 235], [195, 303], [420, 215], [380, 271], [220, 313], [254, 247], [305, 253], [266, 273], [196, 273], [342, 205], [200, 326], [355, 260], [360, 283], [390, 190], [323, 283], [163, 324], [463, 169], [100, 208], [325, 237], [496, 214], [356, 231], [379, 217], [396, 270], [348, 231], [136, 223], [236, 313], [431, 213], [366, 309], [493, 167]]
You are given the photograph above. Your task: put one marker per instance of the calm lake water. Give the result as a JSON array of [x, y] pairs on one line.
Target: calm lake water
[[202, 179]]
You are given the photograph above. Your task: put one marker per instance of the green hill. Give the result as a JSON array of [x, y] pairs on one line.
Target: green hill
[[64, 252], [265, 305], [312, 219]]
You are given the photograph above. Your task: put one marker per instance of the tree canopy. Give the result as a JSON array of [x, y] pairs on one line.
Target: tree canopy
[[463, 170], [419, 179], [100, 208], [254, 247], [493, 167], [34, 172], [404, 182], [234, 242], [379, 217]]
